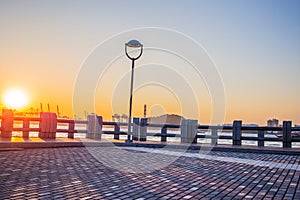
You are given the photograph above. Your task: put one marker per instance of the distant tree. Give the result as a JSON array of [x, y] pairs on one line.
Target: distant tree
[[124, 117], [116, 117]]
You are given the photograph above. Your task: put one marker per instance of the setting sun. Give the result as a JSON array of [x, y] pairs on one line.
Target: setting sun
[[15, 98]]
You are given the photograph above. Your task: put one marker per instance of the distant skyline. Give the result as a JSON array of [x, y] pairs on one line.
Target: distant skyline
[[254, 44]]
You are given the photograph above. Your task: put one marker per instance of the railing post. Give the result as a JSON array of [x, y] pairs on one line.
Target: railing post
[[286, 134], [183, 131], [100, 125], [26, 123], [48, 125], [135, 128], [189, 131], [163, 134], [91, 126], [236, 132], [143, 129], [117, 132], [261, 135], [214, 136], [194, 131], [94, 127], [71, 129], [7, 123]]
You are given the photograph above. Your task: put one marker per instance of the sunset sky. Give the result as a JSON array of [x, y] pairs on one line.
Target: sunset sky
[[253, 45]]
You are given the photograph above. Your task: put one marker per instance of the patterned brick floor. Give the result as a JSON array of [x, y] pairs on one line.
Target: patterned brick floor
[[140, 173]]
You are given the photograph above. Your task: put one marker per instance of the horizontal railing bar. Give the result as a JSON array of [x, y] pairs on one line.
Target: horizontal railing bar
[[249, 138], [295, 139], [249, 132], [80, 121], [115, 123], [164, 135], [27, 129], [65, 131], [27, 118], [72, 121], [297, 128], [80, 131], [163, 125], [225, 137], [211, 137], [65, 121], [272, 139], [261, 128], [206, 127], [114, 132]]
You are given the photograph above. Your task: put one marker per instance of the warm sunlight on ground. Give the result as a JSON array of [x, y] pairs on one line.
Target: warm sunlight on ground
[[15, 98]]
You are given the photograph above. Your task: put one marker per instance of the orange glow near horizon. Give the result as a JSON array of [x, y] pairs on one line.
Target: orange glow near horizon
[[234, 112]]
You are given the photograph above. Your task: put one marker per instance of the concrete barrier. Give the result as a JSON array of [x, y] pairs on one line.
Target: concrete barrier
[[7, 123], [48, 125], [143, 129], [94, 127], [189, 131]]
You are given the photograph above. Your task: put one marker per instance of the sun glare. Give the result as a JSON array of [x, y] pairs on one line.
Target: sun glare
[[15, 98]]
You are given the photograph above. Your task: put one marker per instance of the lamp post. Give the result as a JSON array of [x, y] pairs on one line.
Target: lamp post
[[132, 44]]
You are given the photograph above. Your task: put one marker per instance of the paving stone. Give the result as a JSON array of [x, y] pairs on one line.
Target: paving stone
[[76, 173]]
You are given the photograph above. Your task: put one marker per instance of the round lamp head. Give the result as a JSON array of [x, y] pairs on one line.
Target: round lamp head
[[134, 44]]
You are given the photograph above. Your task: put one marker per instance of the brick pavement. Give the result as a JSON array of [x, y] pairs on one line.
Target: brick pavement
[[108, 173]]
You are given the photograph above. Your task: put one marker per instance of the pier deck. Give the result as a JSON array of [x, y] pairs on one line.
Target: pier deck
[[129, 172]]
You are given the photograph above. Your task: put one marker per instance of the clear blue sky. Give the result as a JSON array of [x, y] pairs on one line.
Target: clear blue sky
[[255, 44]]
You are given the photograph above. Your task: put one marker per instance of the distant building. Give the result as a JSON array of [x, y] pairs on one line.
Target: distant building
[[273, 122]]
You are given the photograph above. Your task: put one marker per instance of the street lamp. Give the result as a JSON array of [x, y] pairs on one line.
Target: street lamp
[[132, 44]]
